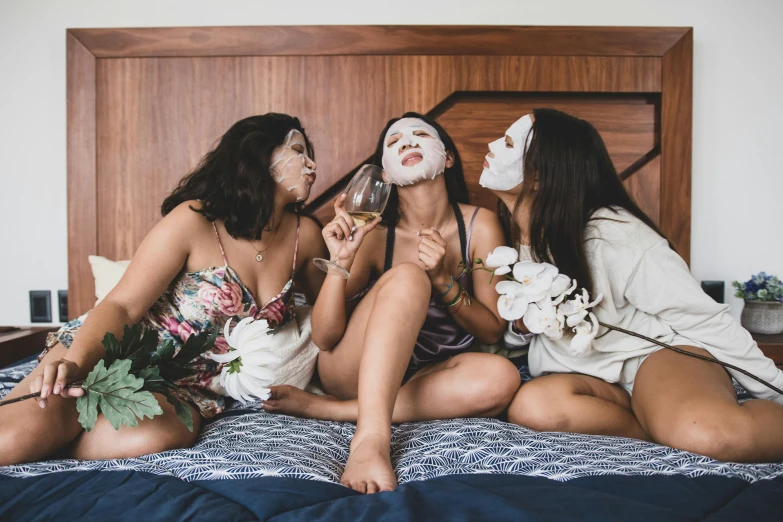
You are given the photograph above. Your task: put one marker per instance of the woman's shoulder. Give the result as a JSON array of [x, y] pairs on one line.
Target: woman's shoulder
[[187, 216], [485, 219], [618, 226]]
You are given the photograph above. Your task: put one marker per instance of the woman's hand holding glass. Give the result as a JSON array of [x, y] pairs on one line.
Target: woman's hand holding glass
[[343, 238], [357, 211]]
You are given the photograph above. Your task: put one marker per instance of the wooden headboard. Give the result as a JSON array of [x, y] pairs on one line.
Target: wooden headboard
[[144, 105]]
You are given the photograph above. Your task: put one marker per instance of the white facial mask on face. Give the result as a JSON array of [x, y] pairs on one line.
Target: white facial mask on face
[[506, 169], [283, 172], [430, 148]]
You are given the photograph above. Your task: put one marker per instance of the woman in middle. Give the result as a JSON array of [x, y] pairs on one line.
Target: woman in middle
[[394, 336]]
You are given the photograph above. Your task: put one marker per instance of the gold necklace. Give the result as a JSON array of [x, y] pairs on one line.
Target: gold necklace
[[259, 253]]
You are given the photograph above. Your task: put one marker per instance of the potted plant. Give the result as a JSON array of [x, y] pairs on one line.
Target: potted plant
[[763, 312]]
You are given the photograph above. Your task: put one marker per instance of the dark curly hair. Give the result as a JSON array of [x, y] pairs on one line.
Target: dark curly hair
[[233, 181]]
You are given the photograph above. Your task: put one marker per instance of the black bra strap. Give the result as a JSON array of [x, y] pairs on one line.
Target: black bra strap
[[387, 262]]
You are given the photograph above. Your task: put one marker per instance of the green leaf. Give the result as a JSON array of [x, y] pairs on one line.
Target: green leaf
[[183, 411], [118, 395], [112, 347], [137, 345], [153, 382], [174, 371], [87, 406], [164, 352], [196, 345]]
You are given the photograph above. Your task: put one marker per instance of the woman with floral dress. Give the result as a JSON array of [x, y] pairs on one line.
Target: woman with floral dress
[[230, 245]]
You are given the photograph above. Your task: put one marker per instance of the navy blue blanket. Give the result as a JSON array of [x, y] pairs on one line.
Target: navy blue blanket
[[133, 496]]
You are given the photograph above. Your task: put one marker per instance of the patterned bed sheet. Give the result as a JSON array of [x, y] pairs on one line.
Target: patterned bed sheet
[[245, 442]]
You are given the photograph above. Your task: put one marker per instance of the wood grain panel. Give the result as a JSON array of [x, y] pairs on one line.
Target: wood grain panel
[[158, 116], [81, 167], [645, 187], [379, 40], [676, 131]]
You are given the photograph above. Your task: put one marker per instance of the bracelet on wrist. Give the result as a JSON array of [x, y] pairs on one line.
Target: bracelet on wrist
[[454, 301], [448, 288]]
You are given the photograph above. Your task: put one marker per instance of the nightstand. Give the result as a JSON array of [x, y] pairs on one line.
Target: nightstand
[[772, 346], [18, 343]]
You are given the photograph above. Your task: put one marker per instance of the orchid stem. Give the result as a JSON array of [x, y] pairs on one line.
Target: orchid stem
[[77, 384], [690, 354]]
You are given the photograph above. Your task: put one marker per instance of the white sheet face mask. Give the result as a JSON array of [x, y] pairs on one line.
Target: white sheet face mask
[[289, 166], [423, 157], [505, 170]]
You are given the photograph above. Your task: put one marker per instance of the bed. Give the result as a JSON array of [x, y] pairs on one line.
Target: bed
[[145, 104]]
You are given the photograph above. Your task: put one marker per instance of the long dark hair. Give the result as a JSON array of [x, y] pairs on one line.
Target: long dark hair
[[456, 187], [233, 180], [576, 177]]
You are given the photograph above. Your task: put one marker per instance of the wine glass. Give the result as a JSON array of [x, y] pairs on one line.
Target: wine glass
[[367, 196]]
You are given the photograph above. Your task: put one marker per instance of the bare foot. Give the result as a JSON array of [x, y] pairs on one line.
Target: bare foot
[[290, 400], [369, 468]]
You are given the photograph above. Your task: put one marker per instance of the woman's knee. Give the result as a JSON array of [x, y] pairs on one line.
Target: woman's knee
[[407, 278], [722, 433], [492, 382], [537, 405], [13, 444]]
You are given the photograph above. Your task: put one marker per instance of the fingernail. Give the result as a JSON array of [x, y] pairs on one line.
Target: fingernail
[[42, 404], [56, 389], [354, 228], [350, 238]]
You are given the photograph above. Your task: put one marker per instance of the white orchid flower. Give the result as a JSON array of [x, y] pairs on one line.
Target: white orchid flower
[[561, 288], [536, 278], [501, 259], [512, 303], [584, 332], [576, 309], [542, 317], [249, 365]]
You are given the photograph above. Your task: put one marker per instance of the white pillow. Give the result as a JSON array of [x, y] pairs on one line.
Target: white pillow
[[107, 274]]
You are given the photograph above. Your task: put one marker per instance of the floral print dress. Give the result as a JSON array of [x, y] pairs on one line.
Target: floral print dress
[[195, 301]]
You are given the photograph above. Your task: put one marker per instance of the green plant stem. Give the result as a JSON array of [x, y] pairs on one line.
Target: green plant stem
[[696, 355], [77, 384]]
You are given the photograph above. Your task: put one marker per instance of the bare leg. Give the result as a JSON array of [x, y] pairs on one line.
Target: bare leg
[[575, 403], [690, 404], [369, 363], [29, 433], [467, 385], [161, 433]]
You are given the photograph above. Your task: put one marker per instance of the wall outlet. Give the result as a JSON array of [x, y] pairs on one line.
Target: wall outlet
[[40, 306], [62, 303]]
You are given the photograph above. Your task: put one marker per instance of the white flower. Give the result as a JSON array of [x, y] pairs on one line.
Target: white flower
[[576, 309], [560, 288], [512, 304], [536, 278], [249, 365], [542, 317], [584, 332], [500, 259]]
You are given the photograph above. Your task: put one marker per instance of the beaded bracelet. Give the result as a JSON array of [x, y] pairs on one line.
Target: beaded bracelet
[[448, 288]]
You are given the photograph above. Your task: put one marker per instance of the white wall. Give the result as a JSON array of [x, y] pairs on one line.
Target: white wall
[[738, 84]]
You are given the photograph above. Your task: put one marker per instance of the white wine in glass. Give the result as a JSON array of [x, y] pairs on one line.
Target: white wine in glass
[[367, 196]]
